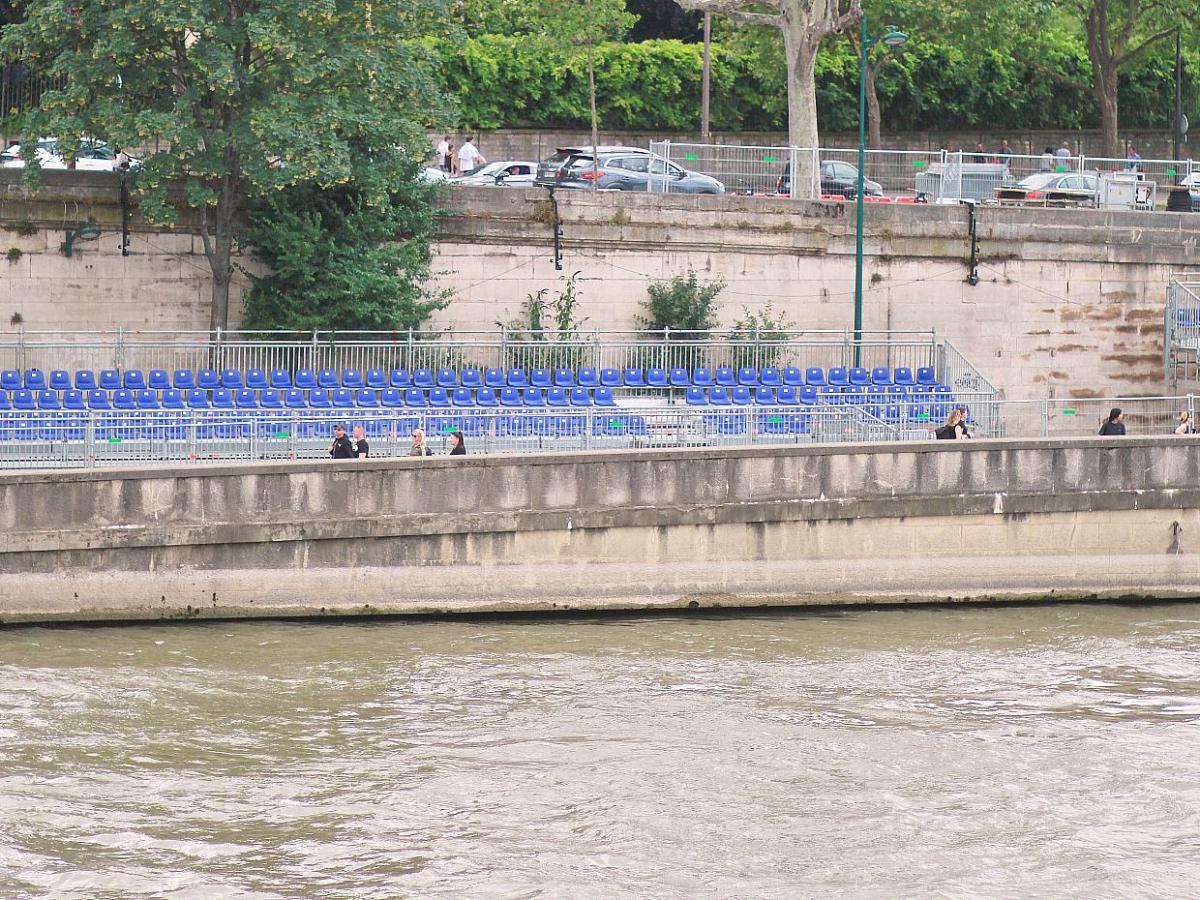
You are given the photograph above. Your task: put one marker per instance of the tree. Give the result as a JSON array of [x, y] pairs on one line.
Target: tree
[[1118, 32], [803, 24], [354, 256], [230, 99]]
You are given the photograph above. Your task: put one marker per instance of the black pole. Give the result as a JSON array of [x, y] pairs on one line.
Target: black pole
[[124, 213], [1178, 99]]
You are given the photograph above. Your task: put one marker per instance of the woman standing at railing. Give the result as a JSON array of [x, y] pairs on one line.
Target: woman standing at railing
[[1185, 423]]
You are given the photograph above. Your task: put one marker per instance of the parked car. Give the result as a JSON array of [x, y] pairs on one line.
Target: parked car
[[90, 156], [433, 176], [621, 169], [1186, 197], [837, 178], [506, 173], [1052, 189]]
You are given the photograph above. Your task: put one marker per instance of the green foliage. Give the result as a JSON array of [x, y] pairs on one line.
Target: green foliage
[[685, 304], [760, 338], [350, 257], [237, 99], [546, 331]]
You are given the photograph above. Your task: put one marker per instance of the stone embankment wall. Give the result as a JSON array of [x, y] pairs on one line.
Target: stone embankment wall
[[624, 530], [1069, 303]]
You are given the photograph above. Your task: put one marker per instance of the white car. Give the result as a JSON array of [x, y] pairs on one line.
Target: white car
[[434, 176], [91, 156], [506, 173], [1192, 183]]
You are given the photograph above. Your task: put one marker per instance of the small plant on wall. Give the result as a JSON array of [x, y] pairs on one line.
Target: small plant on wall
[[760, 338], [684, 309], [545, 333], [14, 254]]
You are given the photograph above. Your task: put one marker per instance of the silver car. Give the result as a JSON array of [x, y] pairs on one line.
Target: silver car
[[506, 173]]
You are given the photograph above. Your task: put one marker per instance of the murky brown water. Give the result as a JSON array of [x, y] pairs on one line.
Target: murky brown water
[[927, 753]]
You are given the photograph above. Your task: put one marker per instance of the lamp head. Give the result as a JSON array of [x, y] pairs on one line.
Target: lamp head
[[892, 37]]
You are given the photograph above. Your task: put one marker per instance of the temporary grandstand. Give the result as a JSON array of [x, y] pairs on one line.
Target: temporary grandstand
[[127, 396]]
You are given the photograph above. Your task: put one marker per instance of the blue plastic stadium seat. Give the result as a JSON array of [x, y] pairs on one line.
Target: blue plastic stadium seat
[[727, 423], [352, 379], [610, 378], [222, 398], [770, 377], [696, 396], [376, 378], [197, 398], [446, 377], [588, 378], [903, 376], [511, 396], [742, 396], [860, 376], [439, 397], [470, 378], [172, 399], [35, 380], [726, 376], [59, 380], [657, 378], [831, 394], [343, 398], [85, 380], [48, 399], [110, 379], [232, 379], [793, 377], [293, 398], [765, 396], [719, 396], [123, 398], [245, 398], [680, 377], [839, 377], [808, 395], [304, 379], [73, 399], [493, 378], [256, 379], [787, 395], [400, 378], [328, 379], [423, 378], [517, 378], [533, 396], [557, 397], [747, 376], [604, 397], [815, 376], [365, 398], [147, 399], [207, 379], [581, 396], [634, 378], [281, 379], [318, 398], [540, 378], [158, 380], [5, 402], [610, 425], [702, 377], [881, 375], [391, 397], [925, 376], [854, 394], [771, 423], [24, 399], [486, 396], [133, 379], [10, 380], [877, 393], [462, 396], [564, 377]]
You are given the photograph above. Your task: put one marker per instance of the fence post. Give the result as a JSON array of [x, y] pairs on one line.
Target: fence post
[[757, 348], [119, 355], [21, 348], [666, 347], [1045, 417]]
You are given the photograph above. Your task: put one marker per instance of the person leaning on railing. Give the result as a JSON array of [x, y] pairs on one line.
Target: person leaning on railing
[[1185, 423], [1114, 424]]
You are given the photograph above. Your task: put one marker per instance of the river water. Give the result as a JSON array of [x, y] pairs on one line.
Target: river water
[[986, 752]]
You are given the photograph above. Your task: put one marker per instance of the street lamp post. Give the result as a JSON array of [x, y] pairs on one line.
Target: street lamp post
[[891, 38]]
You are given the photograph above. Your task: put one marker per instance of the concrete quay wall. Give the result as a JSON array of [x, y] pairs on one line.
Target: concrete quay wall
[[617, 530]]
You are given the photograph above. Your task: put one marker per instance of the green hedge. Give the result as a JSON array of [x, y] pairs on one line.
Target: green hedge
[[531, 81]]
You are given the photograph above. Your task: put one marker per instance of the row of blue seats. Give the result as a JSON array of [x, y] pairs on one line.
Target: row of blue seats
[[295, 398], [329, 379], [807, 395]]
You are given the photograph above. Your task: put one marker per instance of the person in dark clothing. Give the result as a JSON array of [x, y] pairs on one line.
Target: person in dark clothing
[[1114, 424], [361, 449], [953, 430], [457, 447], [341, 448]]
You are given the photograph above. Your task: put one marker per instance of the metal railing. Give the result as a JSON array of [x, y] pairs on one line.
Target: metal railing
[[45, 439], [123, 349], [1181, 329], [1058, 417], [934, 176]]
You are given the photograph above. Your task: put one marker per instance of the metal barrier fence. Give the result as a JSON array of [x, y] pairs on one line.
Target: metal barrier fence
[[123, 349], [1078, 418], [1181, 329], [935, 176], [98, 439]]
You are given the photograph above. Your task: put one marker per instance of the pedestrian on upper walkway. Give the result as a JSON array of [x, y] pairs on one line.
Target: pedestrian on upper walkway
[[361, 449], [1063, 153], [469, 156], [1133, 160], [341, 448], [1185, 423], [953, 430], [457, 446], [1114, 424], [419, 445]]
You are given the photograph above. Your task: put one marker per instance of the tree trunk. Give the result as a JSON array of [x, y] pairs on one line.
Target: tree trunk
[[802, 113], [218, 248], [1104, 87], [595, 125], [874, 133]]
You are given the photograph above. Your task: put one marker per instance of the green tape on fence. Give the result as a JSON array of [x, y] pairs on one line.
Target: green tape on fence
[[114, 440], [691, 156], [922, 417], [1170, 171], [770, 159], [776, 420], [919, 163], [1068, 412], [1061, 168], [281, 434]]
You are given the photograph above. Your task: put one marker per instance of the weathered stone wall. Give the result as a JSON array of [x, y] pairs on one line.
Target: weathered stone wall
[[619, 530]]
